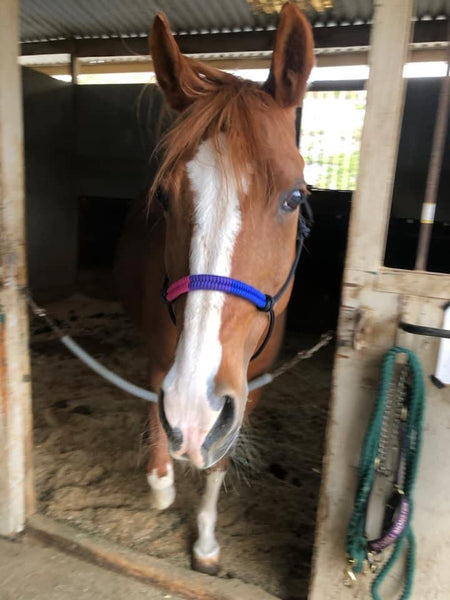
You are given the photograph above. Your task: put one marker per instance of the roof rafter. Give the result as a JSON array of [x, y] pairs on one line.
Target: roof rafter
[[249, 41]]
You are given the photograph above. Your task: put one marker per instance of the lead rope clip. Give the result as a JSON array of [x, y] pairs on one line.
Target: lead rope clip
[[349, 574], [351, 580], [372, 563]]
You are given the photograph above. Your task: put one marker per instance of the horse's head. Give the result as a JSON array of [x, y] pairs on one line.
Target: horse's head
[[232, 177]]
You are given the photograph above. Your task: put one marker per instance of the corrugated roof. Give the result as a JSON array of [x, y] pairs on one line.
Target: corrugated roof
[[62, 19]]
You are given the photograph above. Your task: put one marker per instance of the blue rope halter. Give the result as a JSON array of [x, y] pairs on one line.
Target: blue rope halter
[[228, 285]]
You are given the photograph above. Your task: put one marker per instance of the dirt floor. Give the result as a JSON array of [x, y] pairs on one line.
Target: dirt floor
[[91, 445], [32, 571]]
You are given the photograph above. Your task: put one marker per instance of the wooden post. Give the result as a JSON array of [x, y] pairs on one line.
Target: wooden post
[[390, 36], [16, 481], [368, 318]]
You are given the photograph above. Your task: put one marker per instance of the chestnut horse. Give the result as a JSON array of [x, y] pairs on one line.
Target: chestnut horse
[[225, 203]]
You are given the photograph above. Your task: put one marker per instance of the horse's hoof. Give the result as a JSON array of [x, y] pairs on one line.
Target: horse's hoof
[[209, 564]]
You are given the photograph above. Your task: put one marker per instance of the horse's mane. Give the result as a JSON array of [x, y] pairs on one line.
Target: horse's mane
[[227, 105]]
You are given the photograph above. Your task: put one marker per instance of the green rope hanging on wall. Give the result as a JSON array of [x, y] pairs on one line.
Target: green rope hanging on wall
[[357, 545]]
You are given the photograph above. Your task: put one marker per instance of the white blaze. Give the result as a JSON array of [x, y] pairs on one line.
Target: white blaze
[[217, 222]]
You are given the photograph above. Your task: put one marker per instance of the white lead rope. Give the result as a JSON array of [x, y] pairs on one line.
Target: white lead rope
[[131, 388], [142, 393], [116, 380]]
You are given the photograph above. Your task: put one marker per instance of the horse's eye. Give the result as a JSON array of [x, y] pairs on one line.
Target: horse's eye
[[292, 200]]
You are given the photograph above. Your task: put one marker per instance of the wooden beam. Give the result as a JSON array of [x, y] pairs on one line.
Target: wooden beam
[[248, 41], [16, 481], [149, 569], [407, 283], [335, 59]]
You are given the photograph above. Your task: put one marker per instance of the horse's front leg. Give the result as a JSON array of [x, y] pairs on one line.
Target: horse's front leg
[[160, 468], [206, 552]]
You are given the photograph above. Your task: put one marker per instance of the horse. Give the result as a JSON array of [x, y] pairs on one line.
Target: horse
[[221, 225]]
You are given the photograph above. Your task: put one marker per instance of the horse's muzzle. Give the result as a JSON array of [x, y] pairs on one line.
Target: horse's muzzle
[[203, 453]]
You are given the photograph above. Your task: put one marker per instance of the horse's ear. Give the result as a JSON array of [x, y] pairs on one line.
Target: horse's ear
[[174, 73], [293, 57]]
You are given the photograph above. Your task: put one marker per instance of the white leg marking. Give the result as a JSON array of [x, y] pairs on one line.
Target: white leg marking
[[206, 546], [217, 222], [163, 488]]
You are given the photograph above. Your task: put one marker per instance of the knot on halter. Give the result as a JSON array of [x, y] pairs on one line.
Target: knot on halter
[[269, 305]]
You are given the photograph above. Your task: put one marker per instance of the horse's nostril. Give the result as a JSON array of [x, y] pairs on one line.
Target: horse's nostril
[[226, 417], [223, 424], [174, 434]]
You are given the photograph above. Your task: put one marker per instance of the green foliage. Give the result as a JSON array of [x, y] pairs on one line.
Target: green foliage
[[337, 171], [331, 137]]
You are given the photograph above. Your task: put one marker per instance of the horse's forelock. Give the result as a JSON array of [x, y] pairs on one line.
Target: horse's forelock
[[232, 107]]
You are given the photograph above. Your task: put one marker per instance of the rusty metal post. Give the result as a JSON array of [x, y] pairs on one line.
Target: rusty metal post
[[434, 169], [16, 480]]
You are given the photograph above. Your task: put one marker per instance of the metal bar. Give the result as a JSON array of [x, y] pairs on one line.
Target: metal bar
[[434, 170], [427, 331]]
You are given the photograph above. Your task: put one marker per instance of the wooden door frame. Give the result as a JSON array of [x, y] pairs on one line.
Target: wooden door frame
[[374, 300], [16, 472]]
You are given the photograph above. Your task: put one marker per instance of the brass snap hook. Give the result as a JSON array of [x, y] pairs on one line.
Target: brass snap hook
[[349, 574]]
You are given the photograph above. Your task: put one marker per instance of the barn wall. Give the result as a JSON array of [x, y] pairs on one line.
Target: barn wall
[[116, 132], [50, 171], [83, 146]]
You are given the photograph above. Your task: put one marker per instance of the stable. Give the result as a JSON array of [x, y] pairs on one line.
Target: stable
[[87, 150]]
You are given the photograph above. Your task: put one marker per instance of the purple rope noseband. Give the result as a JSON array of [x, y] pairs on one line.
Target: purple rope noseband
[[218, 283], [227, 285]]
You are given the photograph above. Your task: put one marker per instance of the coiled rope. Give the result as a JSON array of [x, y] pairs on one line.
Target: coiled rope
[[356, 539]]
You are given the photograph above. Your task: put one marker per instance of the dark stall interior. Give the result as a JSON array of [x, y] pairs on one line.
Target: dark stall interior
[[409, 187]]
